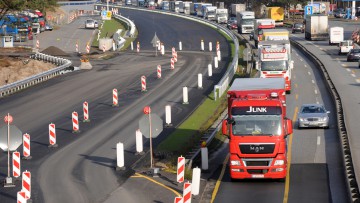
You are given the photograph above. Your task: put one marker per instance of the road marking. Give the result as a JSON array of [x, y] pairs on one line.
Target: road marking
[[316, 45], [297, 54], [309, 73], [217, 185], [344, 65], [353, 75], [301, 59], [296, 96], [313, 81], [138, 175], [315, 91], [287, 181], [305, 65], [348, 70], [321, 49], [318, 140]]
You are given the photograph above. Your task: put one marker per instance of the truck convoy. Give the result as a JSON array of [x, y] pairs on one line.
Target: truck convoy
[[210, 13], [201, 11], [277, 14], [316, 27], [257, 128], [184, 7], [245, 21], [275, 34], [274, 61], [259, 26], [237, 8], [336, 35], [221, 15]]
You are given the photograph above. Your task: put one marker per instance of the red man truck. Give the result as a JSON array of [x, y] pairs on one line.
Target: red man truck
[[257, 128]]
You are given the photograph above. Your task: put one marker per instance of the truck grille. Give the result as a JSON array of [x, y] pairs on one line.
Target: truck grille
[[257, 171], [257, 163], [257, 148]]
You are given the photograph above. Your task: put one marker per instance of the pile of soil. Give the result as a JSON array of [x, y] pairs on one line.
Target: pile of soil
[[16, 65], [54, 51]]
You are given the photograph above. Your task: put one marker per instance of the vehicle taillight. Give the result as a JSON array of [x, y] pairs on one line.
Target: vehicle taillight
[[283, 72], [264, 72]]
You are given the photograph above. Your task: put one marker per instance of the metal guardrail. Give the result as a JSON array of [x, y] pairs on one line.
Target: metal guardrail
[[33, 80], [128, 22], [352, 186]]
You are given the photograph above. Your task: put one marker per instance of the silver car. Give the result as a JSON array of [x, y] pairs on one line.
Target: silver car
[[313, 115]]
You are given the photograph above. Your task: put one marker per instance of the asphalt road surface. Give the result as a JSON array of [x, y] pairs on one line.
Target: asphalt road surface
[[81, 169]]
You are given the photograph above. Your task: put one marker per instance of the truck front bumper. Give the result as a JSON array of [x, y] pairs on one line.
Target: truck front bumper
[[259, 173]]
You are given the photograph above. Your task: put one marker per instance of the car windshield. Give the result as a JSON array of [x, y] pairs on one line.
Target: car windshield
[[89, 21], [252, 125], [298, 25], [274, 65], [346, 43], [313, 109]]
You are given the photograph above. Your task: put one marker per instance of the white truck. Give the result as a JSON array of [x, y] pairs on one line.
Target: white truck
[[274, 60], [201, 12], [259, 26], [245, 21], [316, 27], [210, 12], [237, 8], [221, 15], [184, 7], [336, 35], [195, 8]]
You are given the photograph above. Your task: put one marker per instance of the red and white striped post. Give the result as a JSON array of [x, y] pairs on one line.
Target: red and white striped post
[[172, 64], [26, 146], [217, 46], [26, 184], [77, 47], [178, 200], [37, 44], [173, 51], [52, 135], [86, 112], [158, 71], [175, 57], [143, 83], [75, 122], [187, 193], [16, 164], [180, 169], [87, 48], [138, 47], [115, 97], [21, 197]]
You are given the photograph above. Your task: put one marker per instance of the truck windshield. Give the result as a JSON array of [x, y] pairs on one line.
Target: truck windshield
[[274, 65], [247, 22], [257, 125], [222, 14]]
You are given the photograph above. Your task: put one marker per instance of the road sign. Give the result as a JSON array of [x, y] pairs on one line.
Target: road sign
[[8, 119], [15, 138], [155, 40], [156, 125]]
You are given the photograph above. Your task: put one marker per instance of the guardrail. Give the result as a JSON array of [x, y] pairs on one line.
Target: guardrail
[[352, 186], [128, 22], [62, 63]]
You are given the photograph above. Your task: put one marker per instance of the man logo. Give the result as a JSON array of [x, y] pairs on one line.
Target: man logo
[[257, 149]]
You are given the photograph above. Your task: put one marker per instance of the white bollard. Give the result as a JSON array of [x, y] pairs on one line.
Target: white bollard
[[216, 62], [200, 81], [209, 70], [210, 46], [185, 95], [114, 48], [204, 158], [120, 156], [168, 115], [180, 46], [195, 182], [162, 49], [219, 55], [202, 45], [139, 142], [132, 46]]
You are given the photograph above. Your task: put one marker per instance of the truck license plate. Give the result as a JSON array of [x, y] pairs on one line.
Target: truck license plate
[[258, 176]]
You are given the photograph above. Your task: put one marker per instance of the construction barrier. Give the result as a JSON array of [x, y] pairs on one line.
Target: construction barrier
[[202, 45], [138, 47], [200, 86], [187, 193], [86, 112], [195, 182], [21, 197], [120, 165], [26, 184], [75, 122], [52, 135], [26, 146], [185, 95], [139, 142], [16, 164], [158, 71], [143, 83], [115, 97], [180, 169], [168, 115], [172, 64]]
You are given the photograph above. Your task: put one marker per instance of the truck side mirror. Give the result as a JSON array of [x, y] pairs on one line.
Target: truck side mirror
[[289, 126], [225, 130]]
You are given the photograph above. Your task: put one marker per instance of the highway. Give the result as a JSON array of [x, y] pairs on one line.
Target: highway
[[82, 169]]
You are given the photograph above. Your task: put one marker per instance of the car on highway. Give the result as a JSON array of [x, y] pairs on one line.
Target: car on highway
[[48, 27], [232, 26], [90, 23], [298, 27], [231, 20], [353, 55], [339, 13], [313, 115], [345, 46]]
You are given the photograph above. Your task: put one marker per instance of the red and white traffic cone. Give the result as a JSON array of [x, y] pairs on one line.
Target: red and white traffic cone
[[86, 112], [187, 193], [180, 169], [143, 83], [77, 47], [16, 164], [115, 97], [158, 71], [87, 48], [21, 197], [175, 57], [138, 47], [52, 135], [37, 44], [75, 122], [172, 64], [26, 146], [26, 184]]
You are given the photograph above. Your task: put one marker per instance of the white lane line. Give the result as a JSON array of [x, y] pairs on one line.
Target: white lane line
[[321, 49], [318, 140], [315, 91], [348, 70], [317, 100], [313, 81], [316, 45], [353, 75], [309, 73], [297, 54], [343, 65], [301, 59], [305, 65]]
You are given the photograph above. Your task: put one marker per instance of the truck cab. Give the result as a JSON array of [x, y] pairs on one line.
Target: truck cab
[[259, 26]]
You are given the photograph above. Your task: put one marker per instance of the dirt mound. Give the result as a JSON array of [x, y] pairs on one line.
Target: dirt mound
[[54, 51]]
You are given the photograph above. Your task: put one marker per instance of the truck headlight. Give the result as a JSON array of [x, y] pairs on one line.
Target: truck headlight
[[235, 163], [279, 162]]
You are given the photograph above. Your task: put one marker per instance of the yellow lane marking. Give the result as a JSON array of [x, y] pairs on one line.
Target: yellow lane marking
[[287, 182], [296, 96], [154, 181], [217, 185]]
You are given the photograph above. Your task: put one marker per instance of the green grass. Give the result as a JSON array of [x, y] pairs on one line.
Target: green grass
[[108, 30]]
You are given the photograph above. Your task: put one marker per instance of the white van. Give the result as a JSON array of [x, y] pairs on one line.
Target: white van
[[345, 46], [336, 35]]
